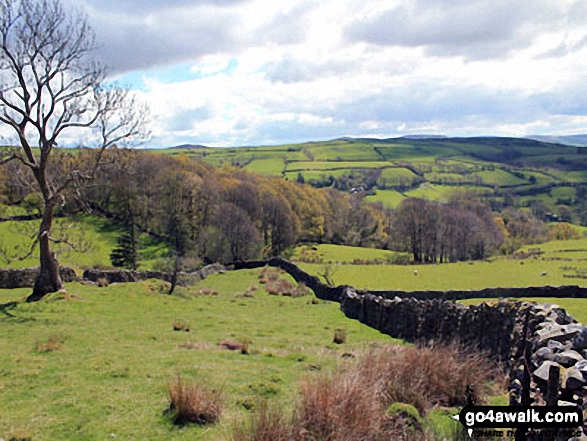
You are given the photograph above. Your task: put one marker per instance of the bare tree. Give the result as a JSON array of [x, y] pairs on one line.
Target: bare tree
[[51, 88]]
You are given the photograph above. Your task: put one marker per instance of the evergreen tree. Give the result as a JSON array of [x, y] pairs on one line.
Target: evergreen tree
[[125, 255]]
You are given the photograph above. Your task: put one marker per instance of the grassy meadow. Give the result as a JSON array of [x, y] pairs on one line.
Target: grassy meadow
[[114, 349]]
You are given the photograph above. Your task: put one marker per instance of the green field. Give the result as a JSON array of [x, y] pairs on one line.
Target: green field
[[562, 261], [333, 165], [118, 350], [389, 198], [343, 254], [271, 166], [499, 177], [93, 237]]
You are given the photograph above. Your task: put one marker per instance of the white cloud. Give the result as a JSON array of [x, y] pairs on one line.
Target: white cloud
[[260, 71]]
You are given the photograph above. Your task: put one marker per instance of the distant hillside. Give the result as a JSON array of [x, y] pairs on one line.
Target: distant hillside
[[576, 140], [188, 147], [423, 137]]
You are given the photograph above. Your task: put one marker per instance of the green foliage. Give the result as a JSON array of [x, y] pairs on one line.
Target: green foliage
[[404, 410], [125, 254]]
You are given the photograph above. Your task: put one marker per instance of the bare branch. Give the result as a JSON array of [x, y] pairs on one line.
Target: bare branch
[[13, 157]]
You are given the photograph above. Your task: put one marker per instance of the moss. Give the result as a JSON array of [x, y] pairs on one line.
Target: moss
[[406, 412]]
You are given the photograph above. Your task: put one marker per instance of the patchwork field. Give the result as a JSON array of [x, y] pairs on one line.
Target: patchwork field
[[531, 170]]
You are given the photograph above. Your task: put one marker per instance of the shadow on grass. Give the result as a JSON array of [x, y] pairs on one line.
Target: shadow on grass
[[7, 315], [5, 307]]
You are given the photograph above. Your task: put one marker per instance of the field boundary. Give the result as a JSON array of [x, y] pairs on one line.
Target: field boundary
[[535, 342]]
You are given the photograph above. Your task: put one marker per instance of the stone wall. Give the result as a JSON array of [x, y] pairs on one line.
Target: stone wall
[[490, 293], [123, 276], [486, 327], [544, 348], [25, 277]]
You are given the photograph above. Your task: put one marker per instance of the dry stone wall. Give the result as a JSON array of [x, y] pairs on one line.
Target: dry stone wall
[[123, 276], [25, 277], [543, 346]]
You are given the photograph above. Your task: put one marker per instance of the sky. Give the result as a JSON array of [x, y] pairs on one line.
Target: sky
[[260, 72]]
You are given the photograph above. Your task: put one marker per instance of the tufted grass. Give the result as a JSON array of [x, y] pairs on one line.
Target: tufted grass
[[117, 350]]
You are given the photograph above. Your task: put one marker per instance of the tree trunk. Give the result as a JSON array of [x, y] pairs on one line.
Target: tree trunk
[[48, 279]]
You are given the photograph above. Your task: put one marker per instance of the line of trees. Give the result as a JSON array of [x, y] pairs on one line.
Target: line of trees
[[225, 214], [463, 229]]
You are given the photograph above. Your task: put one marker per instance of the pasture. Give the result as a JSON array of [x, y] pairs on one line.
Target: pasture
[[95, 363]]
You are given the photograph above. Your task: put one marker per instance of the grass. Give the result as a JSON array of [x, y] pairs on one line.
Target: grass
[[455, 276], [268, 166], [193, 403], [334, 165], [499, 177], [396, 176], [389, 198], [94, 238], [433, 192], [119, 350], [341, 253]]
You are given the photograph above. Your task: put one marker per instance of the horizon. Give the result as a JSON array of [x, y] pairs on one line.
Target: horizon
[[415, 136]]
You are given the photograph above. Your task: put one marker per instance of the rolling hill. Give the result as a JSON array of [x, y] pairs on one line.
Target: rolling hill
[[425, 166]]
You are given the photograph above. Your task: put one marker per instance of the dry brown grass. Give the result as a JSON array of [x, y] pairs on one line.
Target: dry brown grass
[[53, 343], [427, 376], [207, 292], [267, 423], [276, 285], [340, 407], [102, 282], [354, 404], [242, 345], [193, 402], [179, 325]]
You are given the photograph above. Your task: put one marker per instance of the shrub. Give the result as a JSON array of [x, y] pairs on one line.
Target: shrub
[[301, 290], [193, 402], [381, 397], [427, 376], [268, 274], [403, 420], [340, 407]]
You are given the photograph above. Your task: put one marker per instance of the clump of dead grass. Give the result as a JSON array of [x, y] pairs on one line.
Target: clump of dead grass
[[193, 402], [358, 402], [53, 343]]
